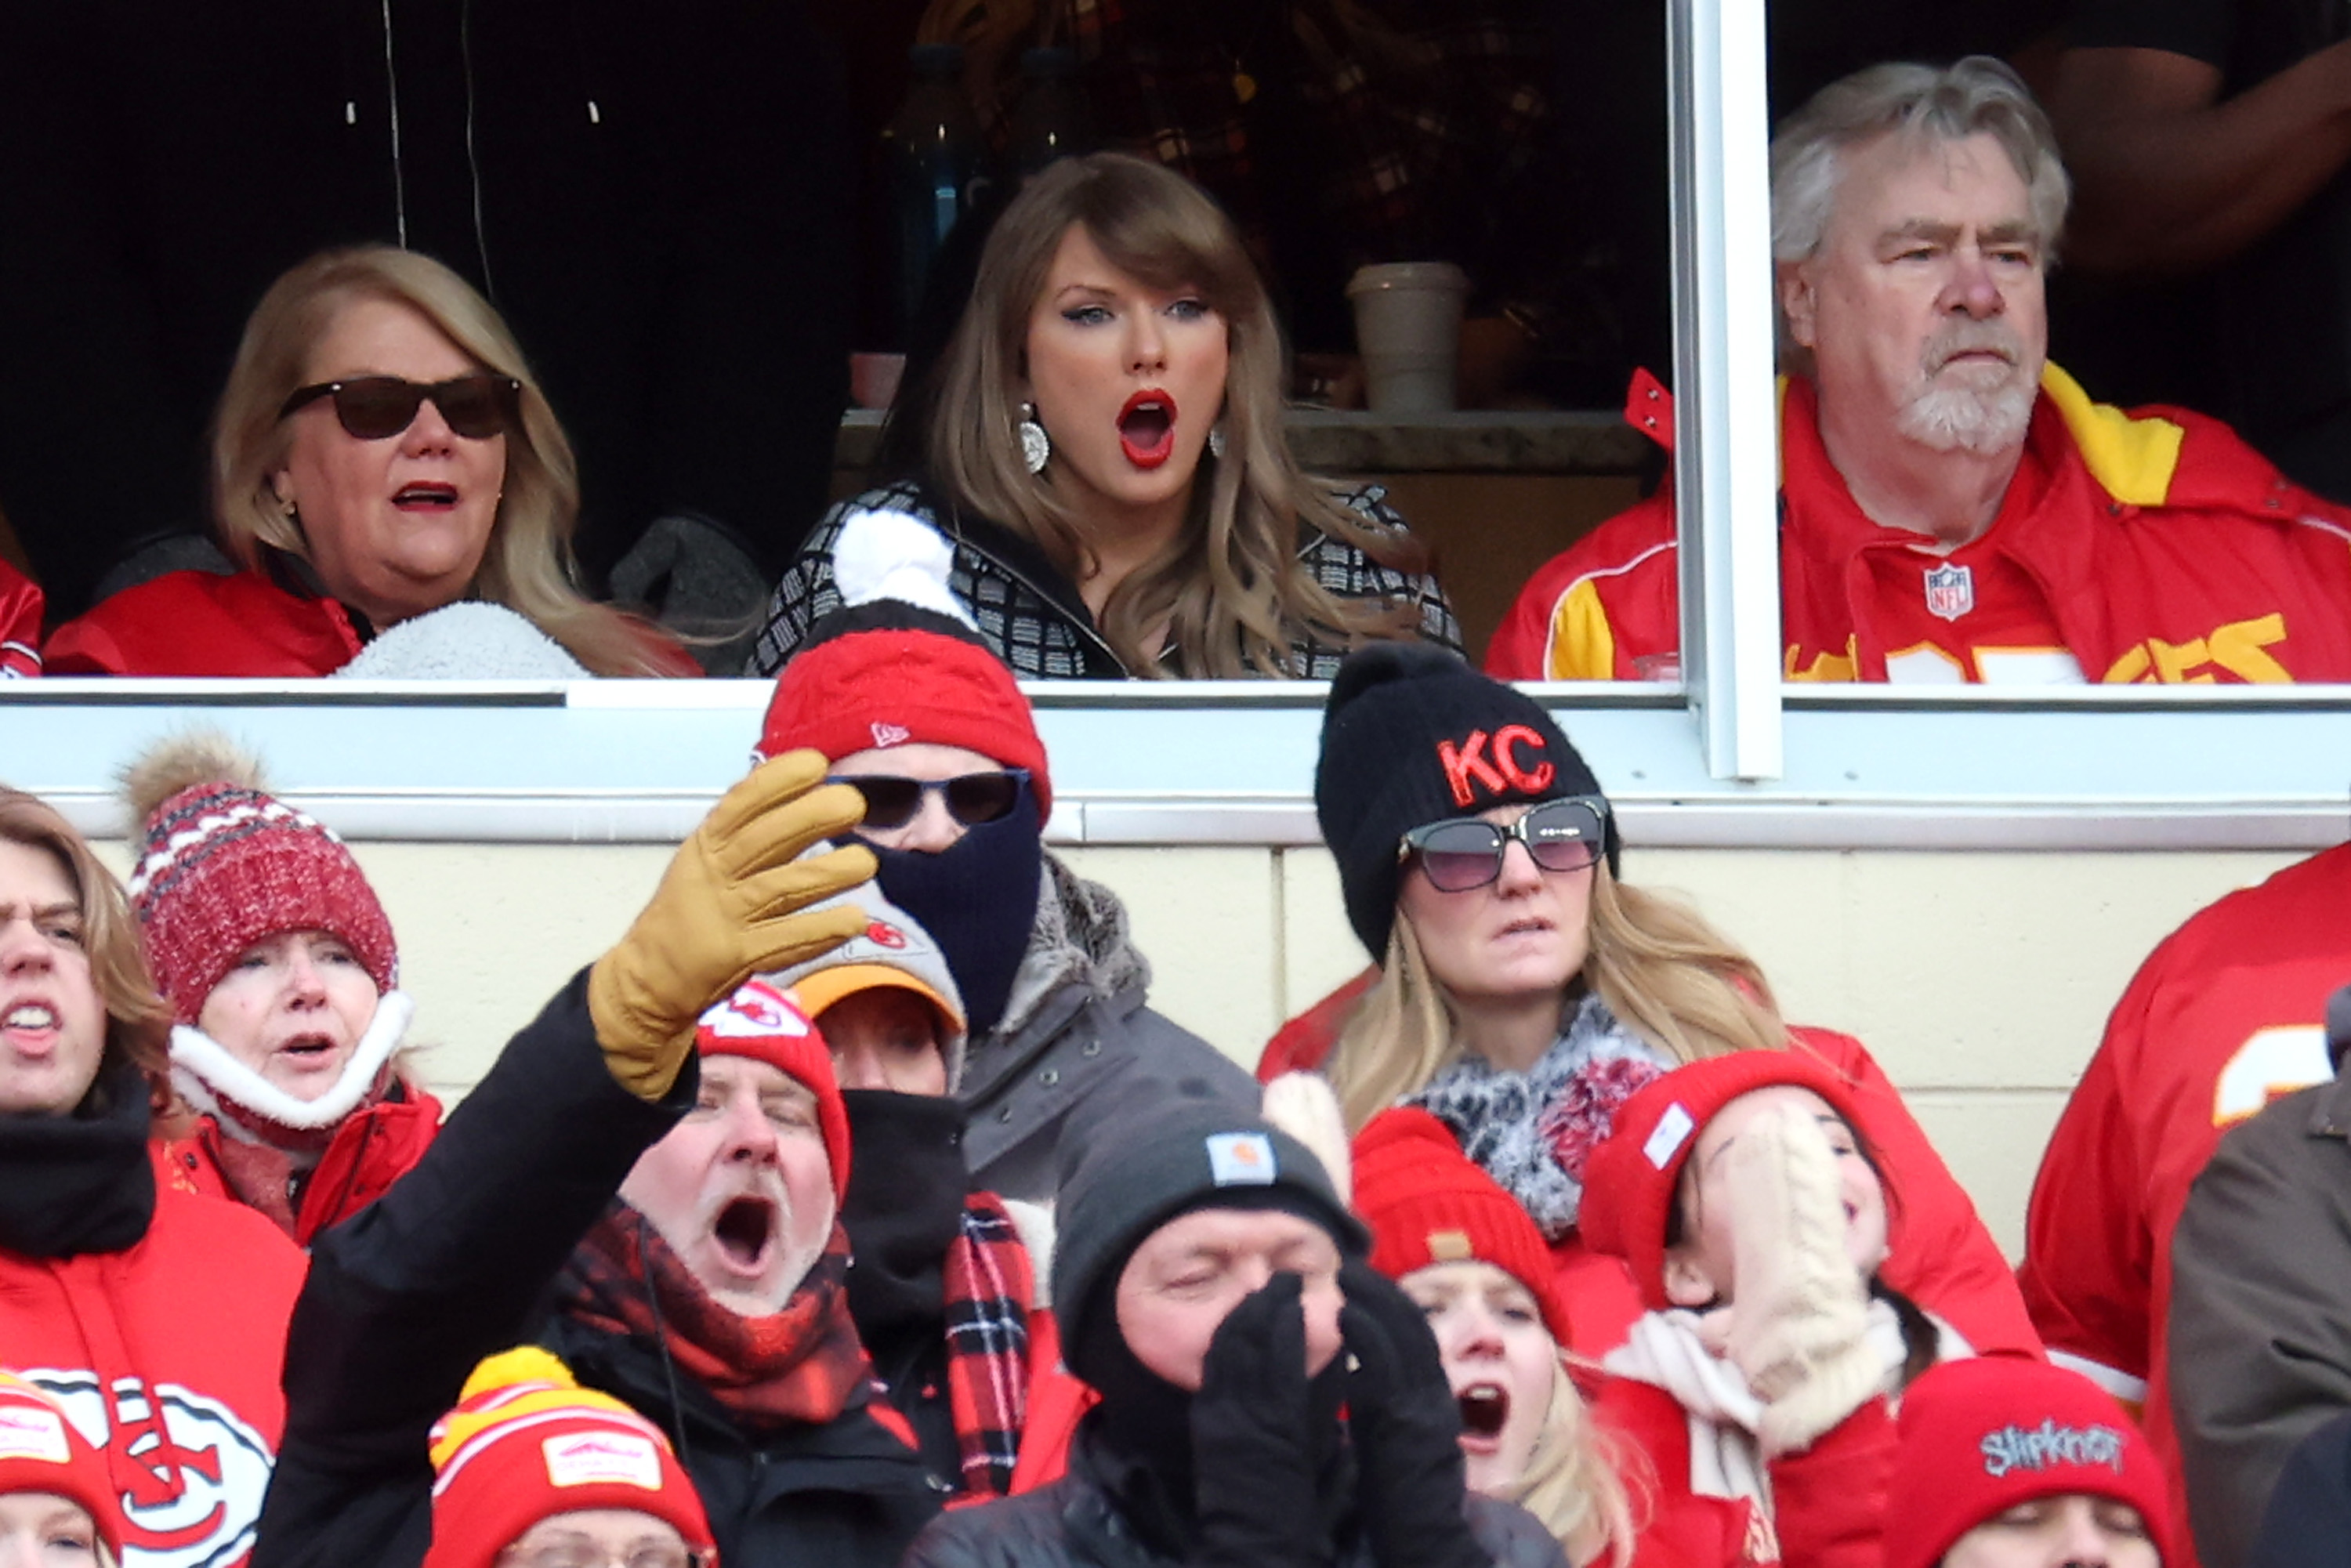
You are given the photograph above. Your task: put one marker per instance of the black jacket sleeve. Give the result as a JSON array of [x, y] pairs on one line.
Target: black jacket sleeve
[[404, 1297]]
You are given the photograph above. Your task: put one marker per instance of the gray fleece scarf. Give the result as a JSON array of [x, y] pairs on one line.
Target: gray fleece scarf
[[1532, 1131]]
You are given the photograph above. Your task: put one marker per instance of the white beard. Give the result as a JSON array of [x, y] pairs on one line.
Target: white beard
[[1981, 420]]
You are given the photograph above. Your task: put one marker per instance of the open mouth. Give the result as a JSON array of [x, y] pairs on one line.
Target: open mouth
[[426, 497], [1485, 1410], [1528, 927], [745, 1233], [308, 1049], [1146, 428]]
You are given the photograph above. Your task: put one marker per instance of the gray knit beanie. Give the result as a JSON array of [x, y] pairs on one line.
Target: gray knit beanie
[[893, 950]]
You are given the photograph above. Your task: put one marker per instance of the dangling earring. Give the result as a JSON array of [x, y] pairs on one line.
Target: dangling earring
[[1034, 446], [1216, 439]]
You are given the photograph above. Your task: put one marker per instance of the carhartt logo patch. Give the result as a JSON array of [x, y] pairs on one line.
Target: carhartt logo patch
[[1496, 772], [1666, 1138], [890, 733], [602, 1458], [1241, 1159], [29, 1434]]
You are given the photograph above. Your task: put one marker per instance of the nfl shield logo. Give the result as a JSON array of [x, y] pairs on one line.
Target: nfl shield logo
[[1950, 591]]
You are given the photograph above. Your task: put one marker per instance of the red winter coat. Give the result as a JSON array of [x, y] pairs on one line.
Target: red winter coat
[[166, 1355], [2226, 1015], [373, 1147], [20, 625], [1943, 1258], [2164, 547]]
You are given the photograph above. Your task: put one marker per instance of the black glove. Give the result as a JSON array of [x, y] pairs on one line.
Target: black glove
[[1254, 1453], [1406, 1426]]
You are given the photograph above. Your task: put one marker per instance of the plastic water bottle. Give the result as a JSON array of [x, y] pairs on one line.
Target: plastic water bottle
[[932, 160], [1049, 121]]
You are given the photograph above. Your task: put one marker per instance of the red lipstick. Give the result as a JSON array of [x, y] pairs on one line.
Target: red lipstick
[[1146, 428]]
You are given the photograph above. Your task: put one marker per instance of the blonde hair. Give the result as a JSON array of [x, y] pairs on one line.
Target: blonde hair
[[1572, 1483], [138, 1018], [1230, 589], [527, 565], [1667, 976]]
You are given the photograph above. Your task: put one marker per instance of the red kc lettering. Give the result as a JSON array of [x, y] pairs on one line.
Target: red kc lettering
[[1466, 762], [1503, 771], [1507, 739]]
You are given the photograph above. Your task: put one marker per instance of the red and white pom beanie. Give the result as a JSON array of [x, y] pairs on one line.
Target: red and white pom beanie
[[41, 1451], [224, 864], [905, 665], [526, 1442], [1978, 1437]]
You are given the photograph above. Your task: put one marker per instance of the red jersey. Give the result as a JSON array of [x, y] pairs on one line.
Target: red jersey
[[166, 1356], [2226, 1015], [2150, 546]]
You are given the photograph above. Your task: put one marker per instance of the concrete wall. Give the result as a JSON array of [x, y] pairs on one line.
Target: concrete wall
[[1981, 980]]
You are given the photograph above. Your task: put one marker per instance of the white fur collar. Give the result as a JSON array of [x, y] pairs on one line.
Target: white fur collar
[[205, 1074]]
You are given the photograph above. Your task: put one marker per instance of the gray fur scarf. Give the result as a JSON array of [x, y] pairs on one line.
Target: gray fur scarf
[[1532, 1131]]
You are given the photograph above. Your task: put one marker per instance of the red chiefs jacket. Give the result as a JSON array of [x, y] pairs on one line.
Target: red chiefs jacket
[[20, 625], [374, 1146], [2226, 1014], [1943, 1258], [2161, 546], [203, 623]]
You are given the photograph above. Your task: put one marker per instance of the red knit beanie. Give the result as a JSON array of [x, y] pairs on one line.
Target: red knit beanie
[[41, 1451], [1977, 1437], [763, 1024], [1426, 1202], [1629, 1182], [875, 689], [526, 1442], [226, 864]]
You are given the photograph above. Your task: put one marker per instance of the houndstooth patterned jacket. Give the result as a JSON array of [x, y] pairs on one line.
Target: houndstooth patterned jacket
[[1033, 614]]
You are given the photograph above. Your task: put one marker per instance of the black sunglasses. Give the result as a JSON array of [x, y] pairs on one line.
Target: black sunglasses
[[375, 408], [972, 799], [1463, 852]]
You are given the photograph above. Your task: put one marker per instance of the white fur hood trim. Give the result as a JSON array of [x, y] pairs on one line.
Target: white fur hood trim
[[204, 1073]]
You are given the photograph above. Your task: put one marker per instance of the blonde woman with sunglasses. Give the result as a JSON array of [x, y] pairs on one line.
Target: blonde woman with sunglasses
[[1525, 991], [380, 452]]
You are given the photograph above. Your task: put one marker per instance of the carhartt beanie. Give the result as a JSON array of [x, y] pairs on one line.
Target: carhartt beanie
[[1123, 1177], [1630, 1179], [763, 1024], [226, 864], [1978, 1437], [1412, 735], [896, 667], [526, 1442], [1426, 1202], [42, 1451]]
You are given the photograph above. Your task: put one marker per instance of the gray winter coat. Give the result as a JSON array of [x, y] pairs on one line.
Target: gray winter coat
[[1075, 1040]]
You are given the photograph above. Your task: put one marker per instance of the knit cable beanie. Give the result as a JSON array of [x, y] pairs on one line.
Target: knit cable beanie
[[526, 1442], [1411, 734], [902, 663], [1977, 1437]]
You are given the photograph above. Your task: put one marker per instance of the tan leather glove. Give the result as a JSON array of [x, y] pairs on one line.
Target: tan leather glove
[[730, 906], [1799, 1322]]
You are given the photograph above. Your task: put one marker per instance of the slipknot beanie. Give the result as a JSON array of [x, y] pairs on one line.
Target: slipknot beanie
[[1426, 1202], [1978, 1437], [1630, 1180], [41, 1451], [1411, 734], [902, 663], [763, 1024], [527, 1442], [226, 863]]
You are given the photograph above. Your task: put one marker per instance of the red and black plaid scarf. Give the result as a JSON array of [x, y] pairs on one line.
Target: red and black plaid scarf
[[989, 1282], [801, 1364]]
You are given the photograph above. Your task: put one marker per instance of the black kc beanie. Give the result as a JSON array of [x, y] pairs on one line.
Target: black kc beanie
[[1412, 735], [1130, 1173]]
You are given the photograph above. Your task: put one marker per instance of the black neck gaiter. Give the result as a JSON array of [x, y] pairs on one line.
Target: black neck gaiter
[[81, 1183], [977, 898], [903, 1206]]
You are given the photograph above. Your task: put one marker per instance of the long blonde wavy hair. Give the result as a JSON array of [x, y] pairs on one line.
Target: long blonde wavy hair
[[527, 565], [1657, 965], [1574, 1482], [1230, 589]]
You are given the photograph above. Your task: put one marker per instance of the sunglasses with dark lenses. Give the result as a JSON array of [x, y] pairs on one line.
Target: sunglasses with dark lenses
[[1463, 852], [972, 799], [375, 408]]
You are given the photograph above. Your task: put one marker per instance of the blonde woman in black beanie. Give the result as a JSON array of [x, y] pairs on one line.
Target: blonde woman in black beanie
[[1525, 991]]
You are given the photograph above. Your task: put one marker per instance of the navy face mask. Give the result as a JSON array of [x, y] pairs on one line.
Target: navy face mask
[[977, 898]]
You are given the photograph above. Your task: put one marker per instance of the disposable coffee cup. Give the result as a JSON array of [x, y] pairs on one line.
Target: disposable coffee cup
[[1408, 330]]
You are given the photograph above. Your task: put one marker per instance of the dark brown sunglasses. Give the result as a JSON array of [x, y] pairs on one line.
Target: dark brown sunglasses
[[376, 408]]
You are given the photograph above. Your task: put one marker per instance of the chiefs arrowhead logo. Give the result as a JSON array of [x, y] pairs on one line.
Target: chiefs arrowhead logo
[[882, 934]]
